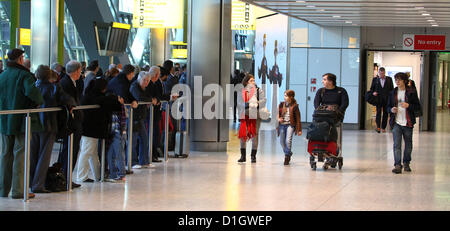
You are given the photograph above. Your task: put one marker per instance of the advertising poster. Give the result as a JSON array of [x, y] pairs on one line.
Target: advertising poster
[[271, 59]]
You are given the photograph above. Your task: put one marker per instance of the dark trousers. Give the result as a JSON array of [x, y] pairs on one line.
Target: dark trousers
[[382, 109], [12, 162], [63, 159], [40, 155], [156, 135]]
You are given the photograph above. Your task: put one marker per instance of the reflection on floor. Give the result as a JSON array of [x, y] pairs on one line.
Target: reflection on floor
[[215, 181]]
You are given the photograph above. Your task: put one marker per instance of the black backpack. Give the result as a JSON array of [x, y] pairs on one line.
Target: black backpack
[[65, 123]]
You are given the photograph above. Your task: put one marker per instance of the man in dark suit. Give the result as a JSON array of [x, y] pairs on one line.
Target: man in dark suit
[[72, 85], [381, 86]]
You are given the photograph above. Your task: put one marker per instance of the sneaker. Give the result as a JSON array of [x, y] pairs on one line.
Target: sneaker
[[407, 168], [110, 180], [378, 130], [120, 179], [397, 169], [146, 166], [137, 166], [384, 130]]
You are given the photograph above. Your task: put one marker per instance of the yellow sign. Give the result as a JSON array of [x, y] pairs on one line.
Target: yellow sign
[[242, 16], [180, 53], [158, 14], [25, 37], [178, 43], [121, 25]]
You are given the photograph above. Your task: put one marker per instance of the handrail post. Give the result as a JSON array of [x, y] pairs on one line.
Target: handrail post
[[69, 163], [27, 157], [130, 137], [102, 179], [150, 135], [166, 133]]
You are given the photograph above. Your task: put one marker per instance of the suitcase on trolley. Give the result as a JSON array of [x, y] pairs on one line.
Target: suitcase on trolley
[[182, 144], [322, 147]]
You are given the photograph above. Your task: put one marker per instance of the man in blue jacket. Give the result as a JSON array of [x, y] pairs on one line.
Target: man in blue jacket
[[17, 92]]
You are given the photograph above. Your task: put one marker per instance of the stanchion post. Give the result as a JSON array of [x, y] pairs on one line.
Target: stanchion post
[[166, 133], [69, 163], [27, 157], [150, 135], [103, 160], [130, 137]]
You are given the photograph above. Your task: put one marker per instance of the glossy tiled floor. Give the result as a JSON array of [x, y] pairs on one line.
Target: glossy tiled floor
[[215, 181]]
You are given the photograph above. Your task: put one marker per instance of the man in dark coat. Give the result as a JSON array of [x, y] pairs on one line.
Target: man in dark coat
[[17, 92], [381, 86], [72, 85]]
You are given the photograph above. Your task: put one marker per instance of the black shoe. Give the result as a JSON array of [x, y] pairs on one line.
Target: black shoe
[[75, 185], [41, 191], [243, 154], [287, 159], [397, 169], [128, 172], [88, 180], [407, 168], [156, 160]]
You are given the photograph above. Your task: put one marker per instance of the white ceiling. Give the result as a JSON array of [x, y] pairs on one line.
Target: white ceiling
[[398, 13]]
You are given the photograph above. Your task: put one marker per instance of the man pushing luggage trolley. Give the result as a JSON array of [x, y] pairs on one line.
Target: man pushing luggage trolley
[[325, 133]]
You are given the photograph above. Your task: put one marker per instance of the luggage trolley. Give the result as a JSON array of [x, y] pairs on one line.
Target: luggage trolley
[[328, 152]]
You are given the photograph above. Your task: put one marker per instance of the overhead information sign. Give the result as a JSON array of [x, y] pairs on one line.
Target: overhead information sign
[[25, 37], [158, 14], [243, 16]]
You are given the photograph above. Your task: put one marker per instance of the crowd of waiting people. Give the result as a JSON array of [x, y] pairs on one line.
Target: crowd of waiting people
[[77, 84], [72, 85]]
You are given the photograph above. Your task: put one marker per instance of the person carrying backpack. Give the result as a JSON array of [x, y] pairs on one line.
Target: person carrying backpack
[[42, 142], [404, 106]]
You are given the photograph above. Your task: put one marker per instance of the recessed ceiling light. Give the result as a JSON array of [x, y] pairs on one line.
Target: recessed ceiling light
[[424, 14], [348, 21], [321, 10], [419, 7], [430, 20], [434, 25], [310, 6], [336, 16], [300, 1]]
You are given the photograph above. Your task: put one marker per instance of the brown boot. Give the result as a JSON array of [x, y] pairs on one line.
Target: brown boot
[[287, 159]]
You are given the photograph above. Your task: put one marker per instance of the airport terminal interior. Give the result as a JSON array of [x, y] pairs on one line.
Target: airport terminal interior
[[285, 45]]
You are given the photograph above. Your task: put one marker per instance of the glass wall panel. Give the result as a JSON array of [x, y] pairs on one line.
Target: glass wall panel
[[351, 37], [350, 67]]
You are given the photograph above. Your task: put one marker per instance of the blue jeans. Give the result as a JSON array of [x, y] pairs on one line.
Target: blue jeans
[[286, 133], [116, 156], [399, 132], [140, 136]]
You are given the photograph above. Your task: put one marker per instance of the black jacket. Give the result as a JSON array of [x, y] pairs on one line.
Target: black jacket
[[54, 96], [75, 92], [120, 86], [169, 83], [156, 90], [383, 92], [411, 98], [97, 123], [141, 112]]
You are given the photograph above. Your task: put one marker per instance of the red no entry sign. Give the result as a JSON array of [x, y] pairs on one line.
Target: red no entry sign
[[423, 42]]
